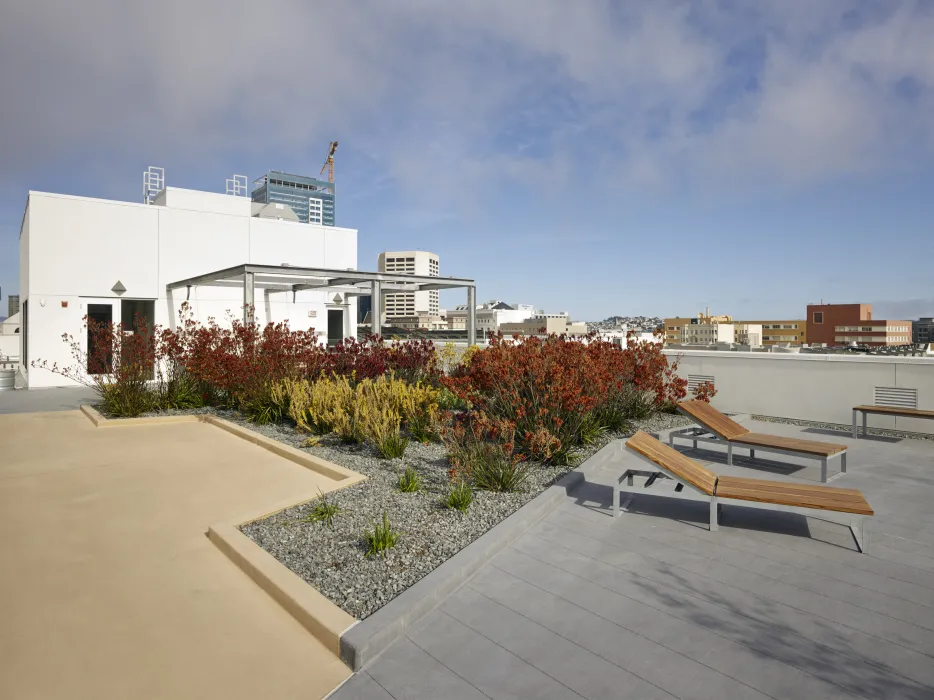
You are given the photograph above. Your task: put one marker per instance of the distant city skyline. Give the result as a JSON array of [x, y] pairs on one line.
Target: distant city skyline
[[620, 159]]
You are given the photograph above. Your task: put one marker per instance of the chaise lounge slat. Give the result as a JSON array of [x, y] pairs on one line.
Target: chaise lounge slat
[[726, 430], [685, 468], [810, 447], [783, 495]]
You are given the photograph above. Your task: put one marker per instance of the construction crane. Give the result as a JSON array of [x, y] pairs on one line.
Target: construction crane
[[329, 162]]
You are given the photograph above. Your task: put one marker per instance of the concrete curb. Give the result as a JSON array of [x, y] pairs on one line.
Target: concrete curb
[[363, 642], [324, 620], [316, 464], [100, 421]]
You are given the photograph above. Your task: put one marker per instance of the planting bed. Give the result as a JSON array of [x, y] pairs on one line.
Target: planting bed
[[334, 561]]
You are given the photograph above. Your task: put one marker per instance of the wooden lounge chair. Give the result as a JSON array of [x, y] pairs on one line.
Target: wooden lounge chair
[[781, 495], [718, 428]]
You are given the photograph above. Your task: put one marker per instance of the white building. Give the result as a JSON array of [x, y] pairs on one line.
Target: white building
[[409, 304], [490, 316], [747, 333], [107, 259], [544, 324], [619, 336]]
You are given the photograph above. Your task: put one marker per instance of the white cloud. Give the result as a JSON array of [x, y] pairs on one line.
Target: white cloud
[[430, 90]]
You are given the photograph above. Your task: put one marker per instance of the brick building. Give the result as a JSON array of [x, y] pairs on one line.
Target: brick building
[[842, 324]]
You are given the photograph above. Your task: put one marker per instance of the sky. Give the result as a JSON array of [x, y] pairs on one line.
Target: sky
[[603, 158]]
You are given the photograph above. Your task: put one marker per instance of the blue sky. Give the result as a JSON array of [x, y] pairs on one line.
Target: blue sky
[[596, 157]]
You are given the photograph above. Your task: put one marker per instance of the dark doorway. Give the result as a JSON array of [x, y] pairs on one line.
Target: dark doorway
[[100, 346], [137, 317], [335, 326]]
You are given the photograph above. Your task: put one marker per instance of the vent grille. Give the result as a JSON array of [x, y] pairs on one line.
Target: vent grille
[[695, 380], [895, 397]]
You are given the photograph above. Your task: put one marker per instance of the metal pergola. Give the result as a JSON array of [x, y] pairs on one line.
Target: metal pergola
[[349, 283]]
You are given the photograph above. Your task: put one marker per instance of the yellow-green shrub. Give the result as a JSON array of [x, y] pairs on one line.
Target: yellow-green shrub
[[371, 410]]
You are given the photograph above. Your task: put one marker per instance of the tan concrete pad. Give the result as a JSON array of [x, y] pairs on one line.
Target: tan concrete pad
[[109, 587]]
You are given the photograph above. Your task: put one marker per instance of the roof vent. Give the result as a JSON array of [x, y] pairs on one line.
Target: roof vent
[[695, 380], [895, 397], [118, 288]]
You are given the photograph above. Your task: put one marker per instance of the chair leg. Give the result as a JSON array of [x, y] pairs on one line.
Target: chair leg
[[864, 424], [729, 453], [843, 462], [823, 470], [616, 491], [855, 433], [714, 511], [752, 455], [860, 532]]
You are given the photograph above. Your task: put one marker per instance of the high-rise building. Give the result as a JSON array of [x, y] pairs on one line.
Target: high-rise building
[[410, 262], [311, 199], [13, 305], [922, 330]]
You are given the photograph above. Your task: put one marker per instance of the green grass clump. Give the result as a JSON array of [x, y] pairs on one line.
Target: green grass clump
[[381, 538], [323, 512], [459, 496], [409, 482]]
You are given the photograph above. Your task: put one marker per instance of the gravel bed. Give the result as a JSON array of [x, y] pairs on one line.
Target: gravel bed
[[845, 428], [333, 561]]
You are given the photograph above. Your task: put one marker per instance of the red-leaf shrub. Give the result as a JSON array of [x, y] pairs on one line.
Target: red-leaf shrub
[[119, 364], [704, 392], [553, 388]]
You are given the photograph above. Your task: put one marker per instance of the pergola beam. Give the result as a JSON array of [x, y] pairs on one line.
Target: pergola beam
[[295, 279]]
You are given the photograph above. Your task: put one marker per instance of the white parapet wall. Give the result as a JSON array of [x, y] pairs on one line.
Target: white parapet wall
[[810, 387]]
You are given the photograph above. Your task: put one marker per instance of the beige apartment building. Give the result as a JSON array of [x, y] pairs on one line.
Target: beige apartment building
[[793, 332], [677, 328], [770, 332]]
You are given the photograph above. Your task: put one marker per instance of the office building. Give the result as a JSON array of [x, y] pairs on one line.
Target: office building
[[311, 199], [409, 304], [12, 305], [922, 330], [845, 324]]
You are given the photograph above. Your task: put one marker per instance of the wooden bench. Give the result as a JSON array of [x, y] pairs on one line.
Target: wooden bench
[[887, 411], [668, 463], [718, 428]]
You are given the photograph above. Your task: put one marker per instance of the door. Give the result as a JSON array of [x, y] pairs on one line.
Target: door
[[335, 326], [137, 317], [100, 339]]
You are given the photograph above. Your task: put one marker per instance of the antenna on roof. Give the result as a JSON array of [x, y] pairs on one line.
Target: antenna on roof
[[153, 183], [236, 185]]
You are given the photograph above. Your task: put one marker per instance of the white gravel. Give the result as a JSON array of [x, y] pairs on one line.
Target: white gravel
[[333, 561]]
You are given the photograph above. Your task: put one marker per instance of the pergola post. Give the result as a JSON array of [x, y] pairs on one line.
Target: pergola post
[[248, 303], [471, 315], [376, 308]]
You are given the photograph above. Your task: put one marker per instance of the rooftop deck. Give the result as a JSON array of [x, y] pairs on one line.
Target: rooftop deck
[[652, 605]]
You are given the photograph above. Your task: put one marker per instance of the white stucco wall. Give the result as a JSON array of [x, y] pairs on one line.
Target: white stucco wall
[[810, 387], [74, 249]]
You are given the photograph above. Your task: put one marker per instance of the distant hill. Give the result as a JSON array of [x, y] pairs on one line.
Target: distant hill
[[644, 322]]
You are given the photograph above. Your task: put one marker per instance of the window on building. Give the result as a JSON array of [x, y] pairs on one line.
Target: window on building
[[818, 317]]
